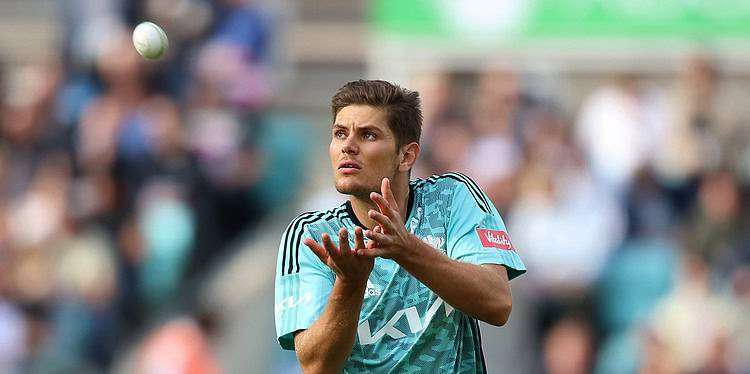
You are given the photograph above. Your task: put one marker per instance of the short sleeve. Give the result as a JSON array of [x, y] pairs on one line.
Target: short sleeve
[[303, 284], [476, 232]]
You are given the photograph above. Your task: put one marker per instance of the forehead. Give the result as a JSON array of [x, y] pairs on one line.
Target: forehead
[[362, 115]]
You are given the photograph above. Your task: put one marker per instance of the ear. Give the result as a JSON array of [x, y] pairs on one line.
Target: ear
[[409, 154]]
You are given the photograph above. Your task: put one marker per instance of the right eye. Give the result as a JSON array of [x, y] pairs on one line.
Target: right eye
[[339, 134]]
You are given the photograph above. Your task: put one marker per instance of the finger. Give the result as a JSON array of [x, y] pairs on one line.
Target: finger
[[379, 201], [344, 242], [359, 238], [370, 252], [329, 245], [371, 243], [390, 210], [385, 188], [385, 222], [317, 249], [381, 239]]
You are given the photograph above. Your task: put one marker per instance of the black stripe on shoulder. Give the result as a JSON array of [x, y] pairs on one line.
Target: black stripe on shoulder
[[475, 191], [416, 183], [341, 213], [288, 234], [431, 180], [295, 239], [293, 266], [474, 186], [294, 249], [327, 215]]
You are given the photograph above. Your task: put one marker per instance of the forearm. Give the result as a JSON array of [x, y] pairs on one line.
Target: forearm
[[325, 346], [476, 290]]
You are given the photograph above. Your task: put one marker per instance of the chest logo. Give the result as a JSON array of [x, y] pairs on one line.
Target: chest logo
[[416, 324]]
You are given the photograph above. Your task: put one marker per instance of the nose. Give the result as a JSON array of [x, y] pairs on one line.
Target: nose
[[349, 145]]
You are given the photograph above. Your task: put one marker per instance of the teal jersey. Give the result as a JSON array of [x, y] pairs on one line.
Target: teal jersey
[[403, 326]]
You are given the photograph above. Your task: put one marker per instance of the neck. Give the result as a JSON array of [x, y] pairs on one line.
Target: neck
[[361, 205]]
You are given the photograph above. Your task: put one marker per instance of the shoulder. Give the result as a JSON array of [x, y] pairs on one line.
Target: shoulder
[[314, 218], [455, 184], [450, 180], [302, 226]]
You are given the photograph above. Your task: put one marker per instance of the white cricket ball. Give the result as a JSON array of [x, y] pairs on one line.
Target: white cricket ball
[[150, 40]]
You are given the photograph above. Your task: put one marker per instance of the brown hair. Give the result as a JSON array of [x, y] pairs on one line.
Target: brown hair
[[402, 106]]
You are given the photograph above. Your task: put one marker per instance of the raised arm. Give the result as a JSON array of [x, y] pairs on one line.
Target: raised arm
[[324, 347], [480, 290], [326, 344]]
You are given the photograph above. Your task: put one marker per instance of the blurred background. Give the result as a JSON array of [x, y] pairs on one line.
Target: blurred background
[[142, 203]]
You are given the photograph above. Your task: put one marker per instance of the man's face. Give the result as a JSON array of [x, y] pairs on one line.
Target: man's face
[[363, 150]]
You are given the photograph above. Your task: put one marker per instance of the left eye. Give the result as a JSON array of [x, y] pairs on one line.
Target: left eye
[[369, 135]]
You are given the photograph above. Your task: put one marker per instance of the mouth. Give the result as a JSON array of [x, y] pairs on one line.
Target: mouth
[[349, 167]]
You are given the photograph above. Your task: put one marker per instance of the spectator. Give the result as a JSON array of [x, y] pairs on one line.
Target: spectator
[[618, 128], [569, 347], [694, 323], [715, 229]]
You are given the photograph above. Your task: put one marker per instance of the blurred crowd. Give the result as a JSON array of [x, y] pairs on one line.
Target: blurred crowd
[[122, 181], [631, 214]]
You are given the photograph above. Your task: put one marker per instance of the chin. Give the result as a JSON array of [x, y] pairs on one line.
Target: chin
[[352, 187]]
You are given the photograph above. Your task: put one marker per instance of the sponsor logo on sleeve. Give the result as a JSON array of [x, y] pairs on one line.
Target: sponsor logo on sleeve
[[292, 302], [495, 239]]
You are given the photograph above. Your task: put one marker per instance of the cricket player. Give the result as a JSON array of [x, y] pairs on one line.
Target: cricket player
[[395, 279]]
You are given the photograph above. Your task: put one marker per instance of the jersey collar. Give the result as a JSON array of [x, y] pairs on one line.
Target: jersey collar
[[409, 204]]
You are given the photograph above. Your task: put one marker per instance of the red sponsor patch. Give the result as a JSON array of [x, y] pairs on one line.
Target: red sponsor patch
[[495, 238]]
